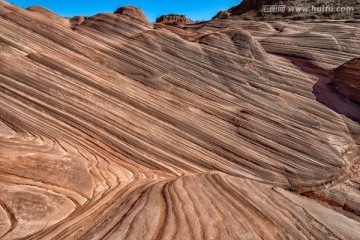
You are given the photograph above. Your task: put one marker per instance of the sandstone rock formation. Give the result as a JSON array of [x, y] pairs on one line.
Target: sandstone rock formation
[[222, 15], [173, 19], [253, 9], [114, 128], [347, 79], [132, 12]]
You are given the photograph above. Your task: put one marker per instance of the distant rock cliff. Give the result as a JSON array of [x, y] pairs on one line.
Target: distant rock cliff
[[253, 9], [174, 19]]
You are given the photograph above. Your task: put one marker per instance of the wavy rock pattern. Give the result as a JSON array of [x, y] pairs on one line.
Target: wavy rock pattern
[[116, 128]]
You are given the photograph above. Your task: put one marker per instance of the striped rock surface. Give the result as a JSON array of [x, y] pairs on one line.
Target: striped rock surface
[[116, 128]]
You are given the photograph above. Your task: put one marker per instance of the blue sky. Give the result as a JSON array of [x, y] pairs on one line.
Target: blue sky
[[194, 9]]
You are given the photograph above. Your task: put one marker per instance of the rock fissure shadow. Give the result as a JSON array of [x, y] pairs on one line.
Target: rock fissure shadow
[[325, 91]]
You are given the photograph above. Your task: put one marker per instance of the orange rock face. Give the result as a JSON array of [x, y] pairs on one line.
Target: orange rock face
[[114, 128]]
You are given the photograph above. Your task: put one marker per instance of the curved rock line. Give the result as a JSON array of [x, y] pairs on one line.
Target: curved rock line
[[113, 127]]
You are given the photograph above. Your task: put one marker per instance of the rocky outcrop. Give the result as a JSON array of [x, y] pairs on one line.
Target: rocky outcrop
[[318, 9], [77, 20], [249, 5], [222, 15], [41, 12], [238, 42], [134, 13], [120, 129], [347, 79], [173, 19]]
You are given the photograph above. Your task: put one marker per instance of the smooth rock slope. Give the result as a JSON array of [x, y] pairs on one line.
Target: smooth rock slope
[[112, 127]]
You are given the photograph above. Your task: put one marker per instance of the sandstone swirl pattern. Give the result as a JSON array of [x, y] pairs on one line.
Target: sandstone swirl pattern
[[114, 128]]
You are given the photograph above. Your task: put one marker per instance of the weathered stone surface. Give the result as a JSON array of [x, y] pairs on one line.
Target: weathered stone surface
[[222, 15], [114, 128], [347, 79], [317, 9], [173, 19], [132, 12]]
